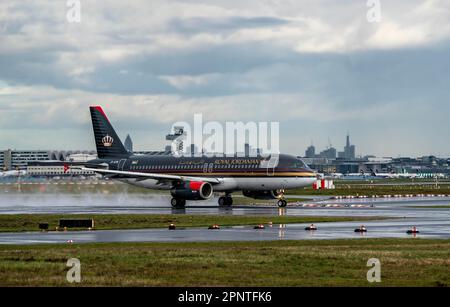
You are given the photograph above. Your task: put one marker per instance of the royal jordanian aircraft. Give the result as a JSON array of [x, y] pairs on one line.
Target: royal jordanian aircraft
[[196, 178]]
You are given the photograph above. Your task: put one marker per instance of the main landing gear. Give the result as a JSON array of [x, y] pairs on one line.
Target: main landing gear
[[178, 203], [225, 201]]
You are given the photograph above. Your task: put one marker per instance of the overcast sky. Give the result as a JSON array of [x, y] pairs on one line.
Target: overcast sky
[[318, 67]]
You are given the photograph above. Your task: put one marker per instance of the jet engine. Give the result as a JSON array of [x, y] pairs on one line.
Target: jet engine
[[192, 190], [271, 194]]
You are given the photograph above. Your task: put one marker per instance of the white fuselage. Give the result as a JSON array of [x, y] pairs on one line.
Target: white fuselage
[[238, 183]]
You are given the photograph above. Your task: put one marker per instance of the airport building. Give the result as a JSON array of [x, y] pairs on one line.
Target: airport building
[[20, 159], [54, 169], [2, 161], [426, 167]]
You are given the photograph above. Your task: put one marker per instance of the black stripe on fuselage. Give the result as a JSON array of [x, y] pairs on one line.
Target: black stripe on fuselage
[[288, 166]]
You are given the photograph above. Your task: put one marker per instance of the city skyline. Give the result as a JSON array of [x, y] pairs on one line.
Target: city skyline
[[319, 72], [310, 152]]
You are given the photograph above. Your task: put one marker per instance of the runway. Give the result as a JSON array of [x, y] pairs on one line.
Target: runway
[[432, 222], [117, 203], [341, 230]]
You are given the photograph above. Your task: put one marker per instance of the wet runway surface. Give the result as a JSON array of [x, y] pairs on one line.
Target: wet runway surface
[[431, 222], [341, 230], [159, 204]]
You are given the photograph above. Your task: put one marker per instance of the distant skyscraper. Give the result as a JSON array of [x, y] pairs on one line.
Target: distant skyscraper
[[128, 143], [329, 153], [310, 152], [349, 150]]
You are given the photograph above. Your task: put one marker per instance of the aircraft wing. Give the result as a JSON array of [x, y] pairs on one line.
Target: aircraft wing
[[138, 175]]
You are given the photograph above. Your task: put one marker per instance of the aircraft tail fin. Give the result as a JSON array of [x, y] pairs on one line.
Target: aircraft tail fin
[[106, 140]]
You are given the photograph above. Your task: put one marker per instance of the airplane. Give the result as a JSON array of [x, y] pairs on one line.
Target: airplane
[[377, 175], [195, 178]]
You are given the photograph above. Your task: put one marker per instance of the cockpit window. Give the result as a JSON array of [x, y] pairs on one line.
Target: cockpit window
[[299, 164]]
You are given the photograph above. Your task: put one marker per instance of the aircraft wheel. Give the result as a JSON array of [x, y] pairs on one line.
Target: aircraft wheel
[[282, 203], [178, 203], [225, 201], [229, 201]]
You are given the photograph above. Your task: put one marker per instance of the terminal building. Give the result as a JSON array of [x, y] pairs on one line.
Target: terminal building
[[44, 162], [18, 159], [2, 161], [51, 169]]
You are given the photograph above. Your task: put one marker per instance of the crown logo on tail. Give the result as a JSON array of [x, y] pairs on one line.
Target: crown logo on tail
[[107, 141]]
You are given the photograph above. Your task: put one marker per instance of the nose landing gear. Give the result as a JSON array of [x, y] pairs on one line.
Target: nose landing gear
[[282, 203]]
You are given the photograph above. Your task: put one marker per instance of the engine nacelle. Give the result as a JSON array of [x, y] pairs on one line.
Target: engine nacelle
[[271, 194], [193, 190]]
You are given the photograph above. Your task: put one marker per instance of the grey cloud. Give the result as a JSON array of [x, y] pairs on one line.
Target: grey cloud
[[195, 25], [369, 91]]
